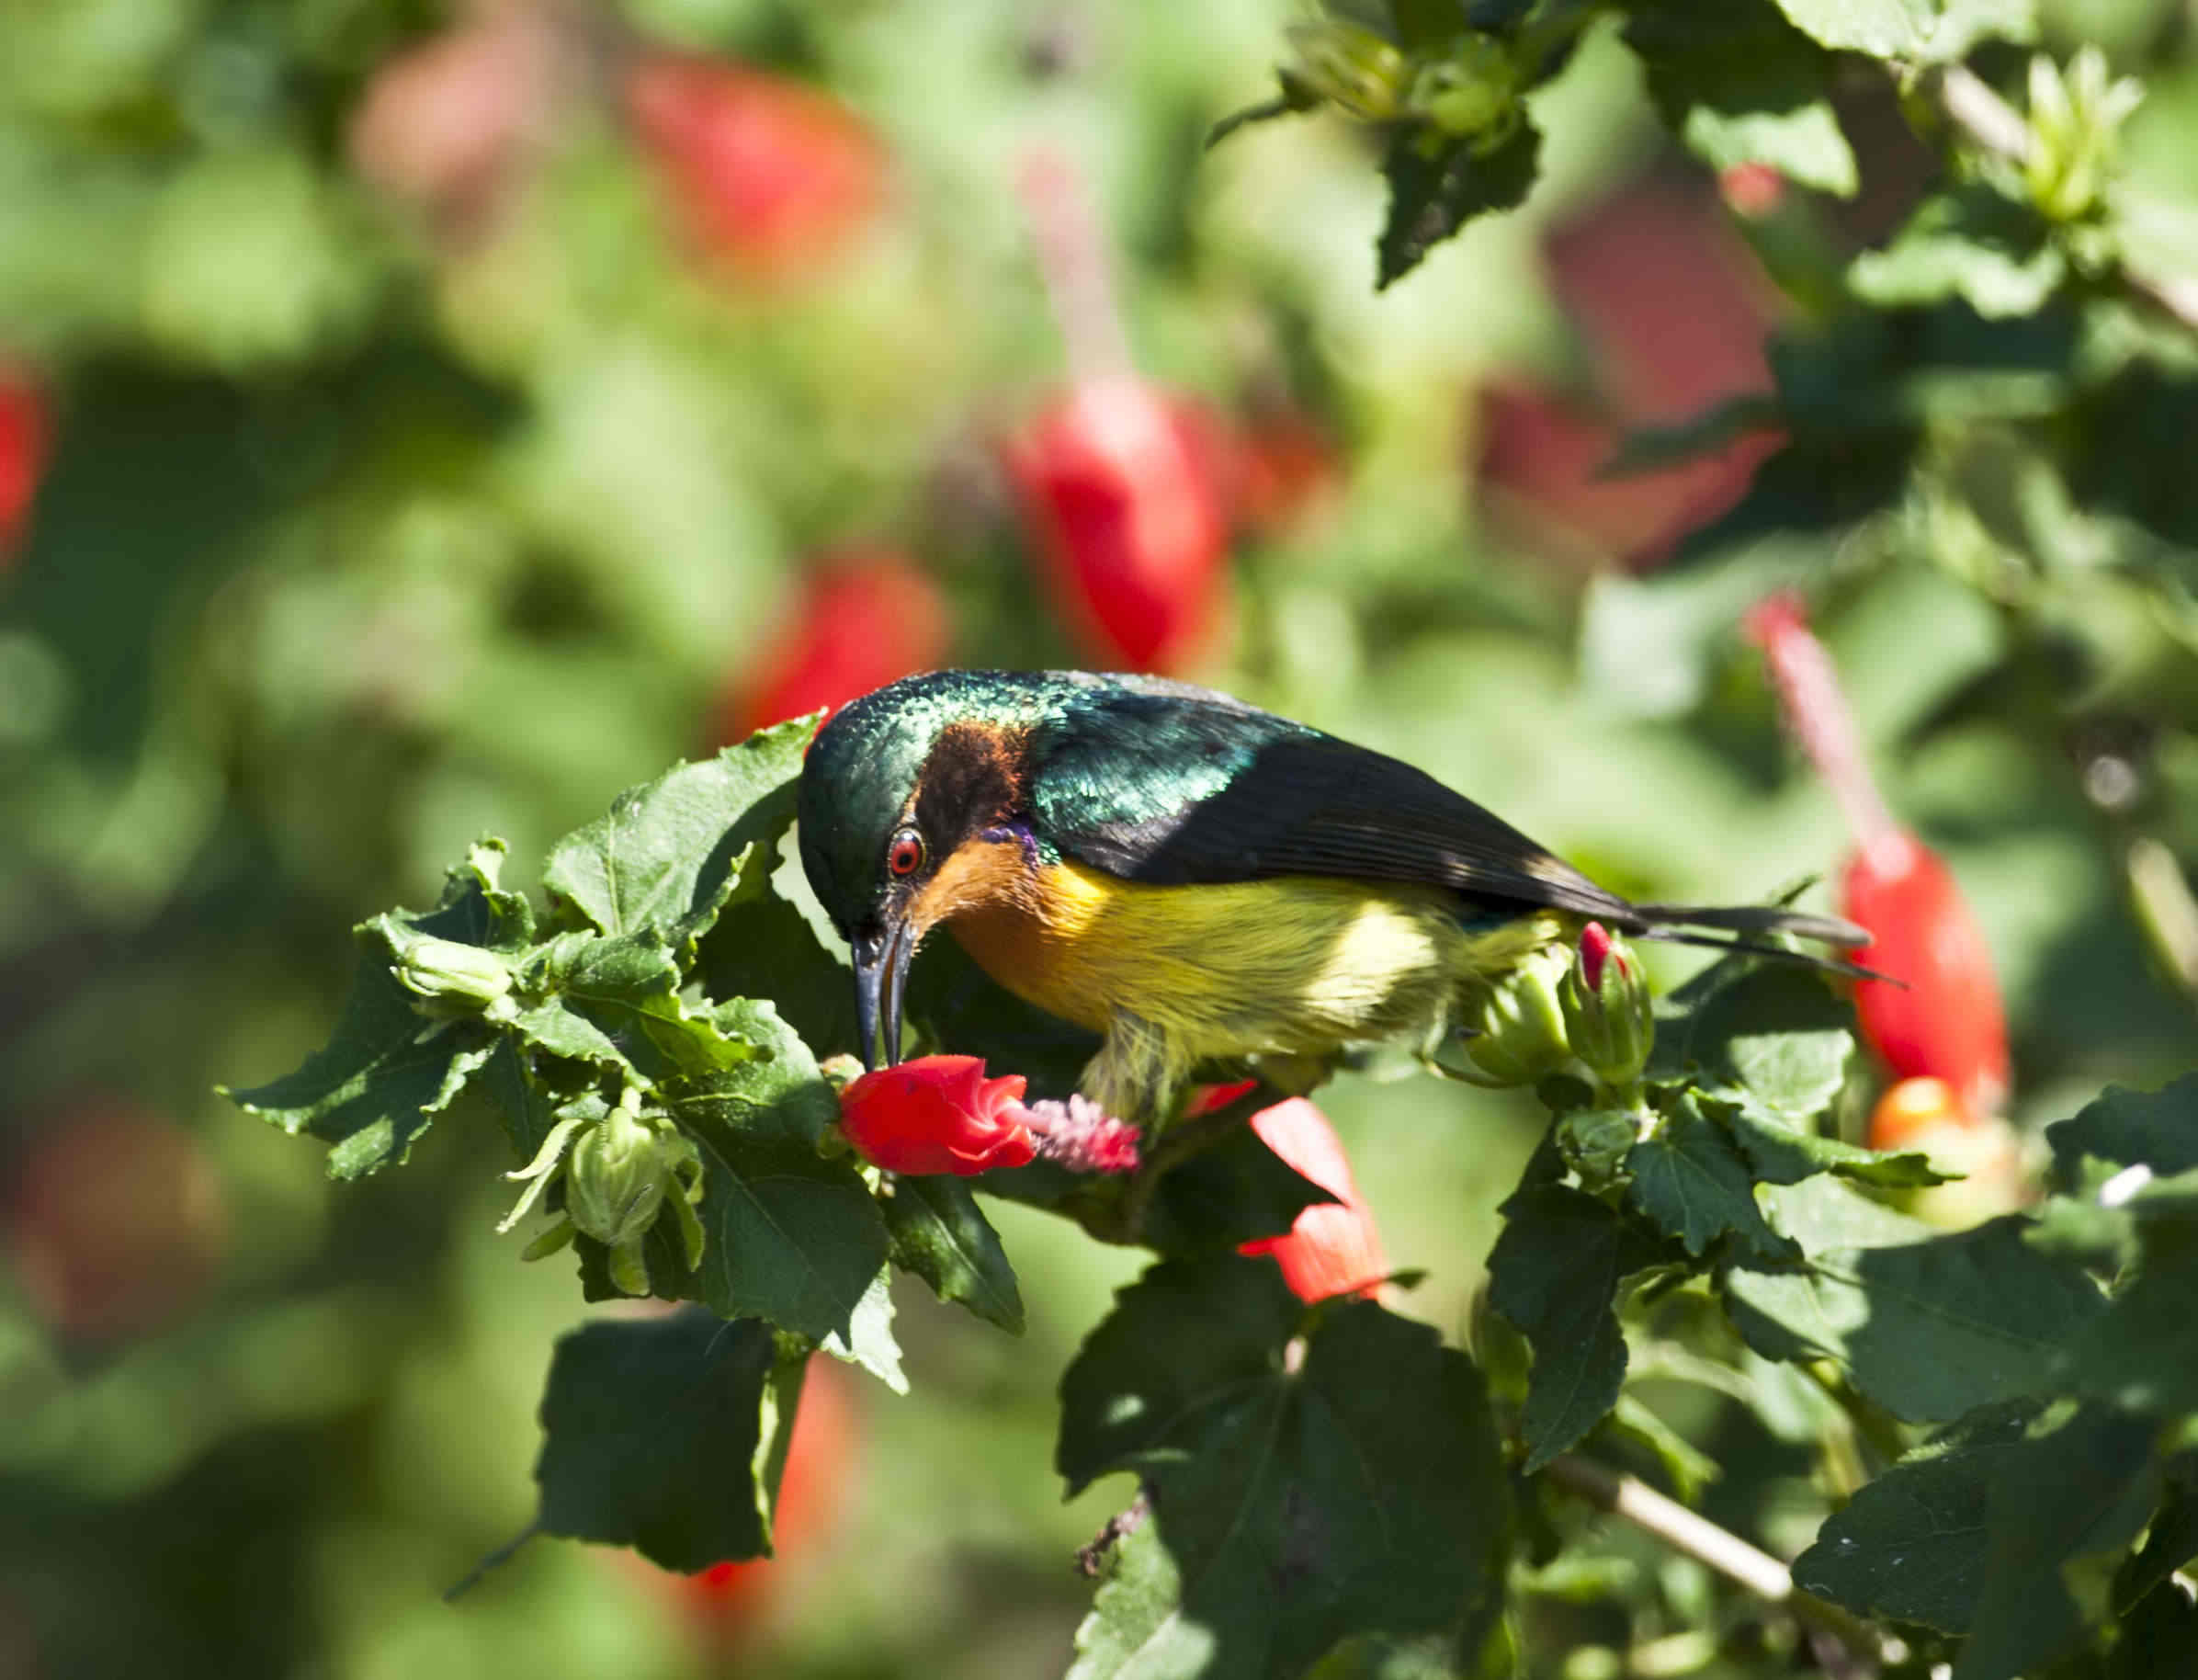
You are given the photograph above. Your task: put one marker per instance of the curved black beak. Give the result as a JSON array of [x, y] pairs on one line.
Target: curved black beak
[[881, 959]]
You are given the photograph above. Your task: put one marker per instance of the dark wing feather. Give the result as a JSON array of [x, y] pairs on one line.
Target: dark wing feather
[[1170, 789]]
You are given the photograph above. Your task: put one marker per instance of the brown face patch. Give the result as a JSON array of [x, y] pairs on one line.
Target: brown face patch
[[972, 779], [977, 874]]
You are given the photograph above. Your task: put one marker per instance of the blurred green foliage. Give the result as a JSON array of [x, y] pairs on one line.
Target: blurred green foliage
[[414, 476]]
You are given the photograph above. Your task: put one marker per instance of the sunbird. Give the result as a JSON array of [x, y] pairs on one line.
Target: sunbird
[[1191, 877]]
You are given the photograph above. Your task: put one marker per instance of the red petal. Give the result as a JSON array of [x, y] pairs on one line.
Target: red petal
[[1334, 1247]]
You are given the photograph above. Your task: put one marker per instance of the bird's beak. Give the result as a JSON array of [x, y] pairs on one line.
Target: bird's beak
[[881, 962]]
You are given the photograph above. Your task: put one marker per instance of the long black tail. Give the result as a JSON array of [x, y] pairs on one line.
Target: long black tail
[[1681, 925]]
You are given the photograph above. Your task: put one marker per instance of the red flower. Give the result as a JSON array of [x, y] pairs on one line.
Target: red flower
[[1126, 512], [1333, 1248], [938, 1114], [1662, 291], [1948, 1023], [23, 441], [771, 176], [1120, 479], [114, 1220], [861, 621]]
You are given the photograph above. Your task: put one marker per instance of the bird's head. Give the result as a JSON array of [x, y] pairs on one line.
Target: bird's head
[[911, 810]]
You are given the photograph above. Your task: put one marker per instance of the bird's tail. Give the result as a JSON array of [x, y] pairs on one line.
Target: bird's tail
[[1748, 925]]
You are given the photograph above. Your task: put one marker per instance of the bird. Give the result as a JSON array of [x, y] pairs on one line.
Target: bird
[[1195, 878]]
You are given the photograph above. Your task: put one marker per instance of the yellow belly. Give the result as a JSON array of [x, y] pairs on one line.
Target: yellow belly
[[1297, 965]]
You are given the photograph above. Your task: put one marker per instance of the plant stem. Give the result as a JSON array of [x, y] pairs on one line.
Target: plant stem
[[1695, 1536]]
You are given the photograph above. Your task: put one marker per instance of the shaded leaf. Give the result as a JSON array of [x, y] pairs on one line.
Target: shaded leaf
[[939, 1233], [1882, 28], [1910, 1546], [1359, 1491], [1773, 1031], [653, 1434], [766, 948], [869, 1339], [1433, 193], [1690, 1182], [1555, 1274], [1929, 1330], [2154, 1128]]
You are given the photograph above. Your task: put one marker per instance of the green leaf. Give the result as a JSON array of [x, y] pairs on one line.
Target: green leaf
[[1555, 1275], [1780, 1152], [1928, 1330], [382, 1077], [2141, 1354], [1910, 1546], [1227, 1195], [2083, 1489], [1975, 244], [1294, 1502], [1882, 29], [772, 1094], [1690, 1181], [654, 1431], [2154, 1128], [1773, 1031], [1821, 1213], [868, 1338], [1435, 188], [388, 1069], [940, 1234], [764, 947], [584, 995], [1741, 85], [672, 851], [2170, 1542]]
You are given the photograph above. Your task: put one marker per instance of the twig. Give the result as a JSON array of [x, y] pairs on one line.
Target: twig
[[1698, 1537], [501, 1555], [1973, 107]]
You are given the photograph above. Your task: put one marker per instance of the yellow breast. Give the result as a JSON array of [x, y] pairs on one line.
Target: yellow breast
[[1298, 964]]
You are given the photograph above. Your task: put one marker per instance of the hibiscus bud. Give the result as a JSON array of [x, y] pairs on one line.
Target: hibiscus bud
[[616, 1185], [466, 978], [1517, 1033], [938, 1114], [1608, 1021], [1350, 67], [1333, 1248]]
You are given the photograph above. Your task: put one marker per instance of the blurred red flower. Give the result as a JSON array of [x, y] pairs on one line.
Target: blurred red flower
[[1334, 1247], [24, 439], [938, 1114], [862, 619], [114, 1220], [1121, 495], [447, 124], [767, 176], [1665, 296], [1948, 1022]]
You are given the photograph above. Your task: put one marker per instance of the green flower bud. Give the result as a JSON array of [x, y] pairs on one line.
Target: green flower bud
[[1351, 66], [461, 978], [1516, 1035], [1608, 1020], [1473, 93], [2075, 133]]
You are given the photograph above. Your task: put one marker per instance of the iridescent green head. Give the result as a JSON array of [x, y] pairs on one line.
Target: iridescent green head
[[894, 784]]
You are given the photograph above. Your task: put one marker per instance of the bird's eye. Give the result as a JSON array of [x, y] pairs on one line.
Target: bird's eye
[[905, 856]]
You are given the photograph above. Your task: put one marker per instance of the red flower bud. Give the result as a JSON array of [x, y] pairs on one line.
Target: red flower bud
[[1333, 1248], [1594, 951], [769, 177], [1948, 1023], [861, 621], [938, 1114]]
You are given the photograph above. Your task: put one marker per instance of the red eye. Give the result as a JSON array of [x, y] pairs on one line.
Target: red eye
[[905, 856]]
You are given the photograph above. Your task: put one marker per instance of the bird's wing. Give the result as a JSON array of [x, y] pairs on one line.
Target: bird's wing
[[1177, 786]]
